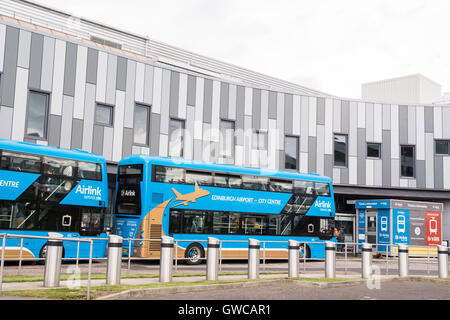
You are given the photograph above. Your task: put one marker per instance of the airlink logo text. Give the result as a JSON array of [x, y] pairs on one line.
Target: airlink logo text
[[9, 184], [89, 190], [322, 204]]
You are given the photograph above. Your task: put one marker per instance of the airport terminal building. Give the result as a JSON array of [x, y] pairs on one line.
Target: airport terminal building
[[73, 83]]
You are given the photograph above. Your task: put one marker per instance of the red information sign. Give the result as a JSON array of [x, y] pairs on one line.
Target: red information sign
[[433, 228]]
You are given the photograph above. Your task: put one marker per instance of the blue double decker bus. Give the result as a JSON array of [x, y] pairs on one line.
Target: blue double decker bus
[[194, 200], [45, 189]]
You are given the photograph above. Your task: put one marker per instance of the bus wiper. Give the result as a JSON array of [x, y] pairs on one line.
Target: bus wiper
[[18, 227], [55, 190]]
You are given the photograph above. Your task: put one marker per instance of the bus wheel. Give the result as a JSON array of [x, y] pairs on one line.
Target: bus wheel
[[194, 254], [304, 251]]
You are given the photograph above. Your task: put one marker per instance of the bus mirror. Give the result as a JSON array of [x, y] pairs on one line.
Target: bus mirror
[[66, 221], [310, 228]]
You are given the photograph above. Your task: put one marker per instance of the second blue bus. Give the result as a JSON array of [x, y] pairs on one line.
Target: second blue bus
[[194, 200]]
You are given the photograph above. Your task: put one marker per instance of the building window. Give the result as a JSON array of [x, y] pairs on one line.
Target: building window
[[291, 152], [374, 150], [104, 115], [37, 115], [340, 150], [176, 133], [407, 155], [441, 147], [260, 140], [226, 138], [141, 124]]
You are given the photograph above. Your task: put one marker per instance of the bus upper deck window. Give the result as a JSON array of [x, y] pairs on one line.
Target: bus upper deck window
[[202, 178], [89, 171], [235, 181], [221, 180], [303, 187], [280, 186], [169, 174], [59, 167], [20, 162], [255, 182], [323, 189]]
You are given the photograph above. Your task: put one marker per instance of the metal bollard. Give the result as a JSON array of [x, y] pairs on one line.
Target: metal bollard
[[166, 259], [212, 262], [253, 258], [53, 258], [366, 261], [443, 261], [403, 260], [330, 259], [293, 256], [114, 265]]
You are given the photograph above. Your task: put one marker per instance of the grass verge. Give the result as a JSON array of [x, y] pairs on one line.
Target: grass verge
[[100, 291]]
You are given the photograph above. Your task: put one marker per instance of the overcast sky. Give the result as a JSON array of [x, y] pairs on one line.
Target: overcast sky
[[328, 45]]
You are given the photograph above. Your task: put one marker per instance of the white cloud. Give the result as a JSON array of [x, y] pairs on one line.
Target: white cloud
[[329, 45]]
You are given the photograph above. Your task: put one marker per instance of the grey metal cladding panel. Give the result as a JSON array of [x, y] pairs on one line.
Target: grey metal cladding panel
[[281, 160], [386, 158], [154, 133], [97, 140], [361, 141], [174, 94], [92, 64], [320, 110], [240, 103], [23, 58], [127, 142], [420, 174], [344, 176], [429, 119], [288, 113], [121, 80], [272, 105], [70, 69], [37, 49], [6, 115], [224, 99], [312, 151], [361, 159], [10, 66], [345, 117], [438, 172], [328, 165], [191, 90], [54, 130], [256, 109], [207, 101], [111, 79], [148, 84], [403, 124], [77, 134], [240, 108]]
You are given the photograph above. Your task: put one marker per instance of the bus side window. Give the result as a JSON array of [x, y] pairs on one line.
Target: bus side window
[[202, 178], [20, 162], [304, 187], [89, 171], [322, 189]]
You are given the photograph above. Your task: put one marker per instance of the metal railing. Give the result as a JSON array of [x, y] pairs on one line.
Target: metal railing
[[341, 258], [13, 236]]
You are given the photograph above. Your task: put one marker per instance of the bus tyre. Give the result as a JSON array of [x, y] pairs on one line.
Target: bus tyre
[[194, 254], [304, 251]]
